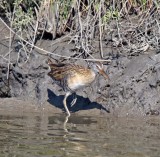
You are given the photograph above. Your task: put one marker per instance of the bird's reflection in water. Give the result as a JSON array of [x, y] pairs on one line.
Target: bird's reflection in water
[[74, 139], [68, 135]]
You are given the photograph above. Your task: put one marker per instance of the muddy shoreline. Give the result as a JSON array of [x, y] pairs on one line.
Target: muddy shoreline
[[16, 106], [133, 88]]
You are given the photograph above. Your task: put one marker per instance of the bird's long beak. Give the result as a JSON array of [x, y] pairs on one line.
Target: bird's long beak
[[102, 72]]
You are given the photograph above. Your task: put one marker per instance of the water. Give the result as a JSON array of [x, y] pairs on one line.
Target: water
[[43, 135]]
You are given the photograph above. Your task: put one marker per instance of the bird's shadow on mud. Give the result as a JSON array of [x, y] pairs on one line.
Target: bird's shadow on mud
[[81, 103]]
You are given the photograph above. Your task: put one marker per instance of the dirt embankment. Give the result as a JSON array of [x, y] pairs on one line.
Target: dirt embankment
[[133, 88]]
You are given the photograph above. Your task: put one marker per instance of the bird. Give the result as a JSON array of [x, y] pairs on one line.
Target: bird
[[72, 77]]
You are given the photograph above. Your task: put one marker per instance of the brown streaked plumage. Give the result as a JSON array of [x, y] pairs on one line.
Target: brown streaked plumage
[[72, 77]]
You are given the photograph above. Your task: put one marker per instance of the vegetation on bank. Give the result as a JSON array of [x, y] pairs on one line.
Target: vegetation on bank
[[132, 25]]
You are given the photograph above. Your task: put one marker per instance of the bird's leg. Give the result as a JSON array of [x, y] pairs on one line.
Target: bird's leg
[[65, 103], [65, 123], [74, 99]]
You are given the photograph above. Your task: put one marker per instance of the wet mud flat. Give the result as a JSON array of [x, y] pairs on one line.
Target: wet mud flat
[[16, 106]]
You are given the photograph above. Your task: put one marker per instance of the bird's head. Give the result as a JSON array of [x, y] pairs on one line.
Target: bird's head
[[97, 67]]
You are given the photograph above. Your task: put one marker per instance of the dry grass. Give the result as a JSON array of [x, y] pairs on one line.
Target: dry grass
[[133, 25]]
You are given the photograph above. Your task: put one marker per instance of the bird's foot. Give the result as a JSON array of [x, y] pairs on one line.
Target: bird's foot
[[73, 102]]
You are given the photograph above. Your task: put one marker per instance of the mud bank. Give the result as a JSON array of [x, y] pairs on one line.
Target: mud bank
[[133, 88]]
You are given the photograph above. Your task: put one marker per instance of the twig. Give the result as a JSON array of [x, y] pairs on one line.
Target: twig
[[100, 31], [47, 52], [34, 37], [10, 44]]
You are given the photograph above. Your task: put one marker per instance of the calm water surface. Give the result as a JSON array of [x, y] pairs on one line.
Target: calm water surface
[[41, 135]]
